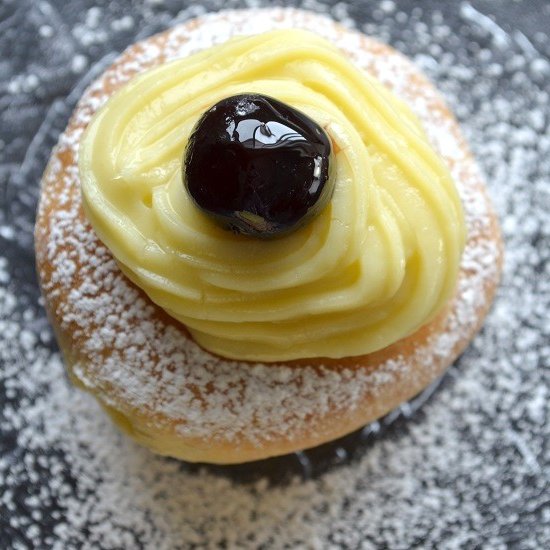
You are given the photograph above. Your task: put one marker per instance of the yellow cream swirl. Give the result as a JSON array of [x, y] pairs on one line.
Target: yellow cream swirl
[[375, 265]]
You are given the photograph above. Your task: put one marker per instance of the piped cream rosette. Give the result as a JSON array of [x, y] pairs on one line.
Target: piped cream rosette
[[380, 261]]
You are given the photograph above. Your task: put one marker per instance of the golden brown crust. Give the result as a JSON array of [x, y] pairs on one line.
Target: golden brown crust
[[420, 358]]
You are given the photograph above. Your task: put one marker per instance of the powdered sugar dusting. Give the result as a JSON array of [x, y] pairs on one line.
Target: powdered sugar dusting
[[470, 472]]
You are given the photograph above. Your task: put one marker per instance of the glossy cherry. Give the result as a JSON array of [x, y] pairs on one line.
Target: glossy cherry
[[258, 166]]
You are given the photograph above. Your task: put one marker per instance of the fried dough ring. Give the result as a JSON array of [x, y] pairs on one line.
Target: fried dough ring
[[143, 367]]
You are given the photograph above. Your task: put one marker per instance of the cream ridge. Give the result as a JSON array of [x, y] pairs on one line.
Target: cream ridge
[[379, 262]]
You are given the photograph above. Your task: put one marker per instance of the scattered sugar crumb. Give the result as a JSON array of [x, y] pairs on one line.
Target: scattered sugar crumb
[[79, 63]]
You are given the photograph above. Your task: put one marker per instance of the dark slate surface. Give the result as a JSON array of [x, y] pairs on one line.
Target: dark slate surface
[[51, 50]]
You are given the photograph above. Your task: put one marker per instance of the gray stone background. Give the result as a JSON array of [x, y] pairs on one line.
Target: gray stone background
[[470, 469]]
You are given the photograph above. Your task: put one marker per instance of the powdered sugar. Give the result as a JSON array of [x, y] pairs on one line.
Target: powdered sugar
[[470, 472]]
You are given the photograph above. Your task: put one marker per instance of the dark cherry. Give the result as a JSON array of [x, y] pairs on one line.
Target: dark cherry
[[258, 166]]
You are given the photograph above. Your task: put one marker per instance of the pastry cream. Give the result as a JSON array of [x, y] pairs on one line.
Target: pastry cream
[[380, 261]]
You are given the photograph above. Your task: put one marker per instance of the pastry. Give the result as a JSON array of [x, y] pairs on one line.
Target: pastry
[[209, 345]]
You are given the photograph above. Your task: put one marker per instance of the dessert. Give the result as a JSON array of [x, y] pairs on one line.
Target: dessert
[[304, 336]]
